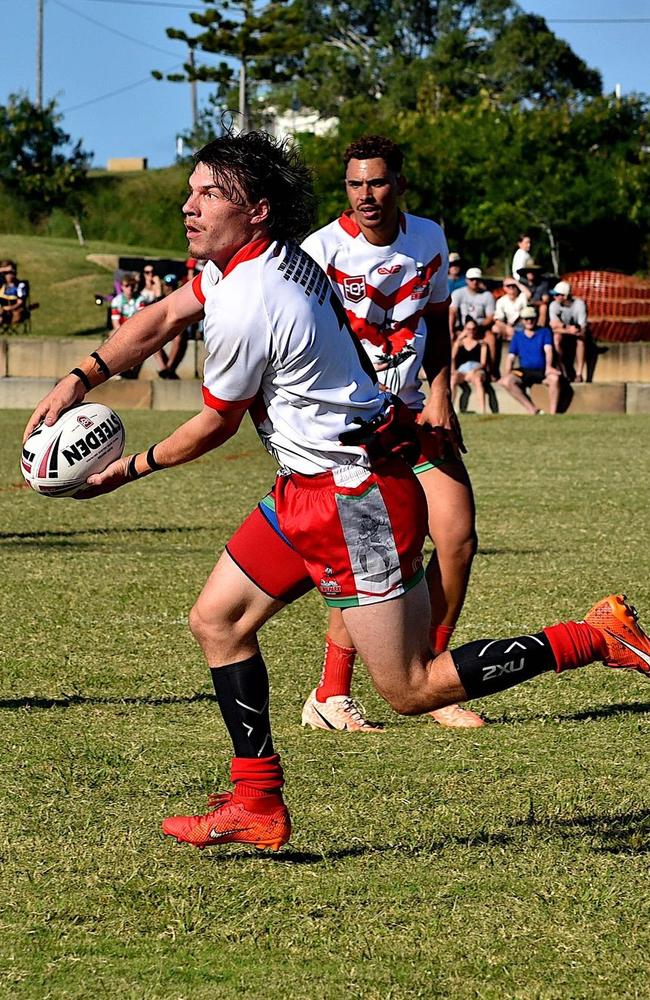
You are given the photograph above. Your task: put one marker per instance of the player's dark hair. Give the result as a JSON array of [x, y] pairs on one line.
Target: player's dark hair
[[253, 165], [371, 147]]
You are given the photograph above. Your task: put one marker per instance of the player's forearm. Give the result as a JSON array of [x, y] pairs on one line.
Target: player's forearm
[[436, 360], [141, 336], [197, 436]]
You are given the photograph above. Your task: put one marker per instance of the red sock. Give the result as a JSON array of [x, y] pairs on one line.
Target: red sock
[[258, 781], [336, 677], [575, 644], [440, 637]]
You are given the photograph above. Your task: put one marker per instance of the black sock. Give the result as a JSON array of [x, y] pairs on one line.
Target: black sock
[[488, 666], [242, 690]]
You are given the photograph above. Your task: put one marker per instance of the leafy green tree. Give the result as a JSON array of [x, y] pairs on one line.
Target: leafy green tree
[[577, 174], [260, 46], [39, 163]]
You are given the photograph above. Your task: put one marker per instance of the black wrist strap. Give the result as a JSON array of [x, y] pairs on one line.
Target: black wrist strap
[[131, 469], [83, 378], [151, 461], [101, 364]]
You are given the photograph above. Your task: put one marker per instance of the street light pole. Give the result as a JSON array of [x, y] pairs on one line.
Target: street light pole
[[39, 53]]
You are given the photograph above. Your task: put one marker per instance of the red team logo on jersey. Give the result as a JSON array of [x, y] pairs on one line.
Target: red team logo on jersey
[[394, 269], [354, 288]]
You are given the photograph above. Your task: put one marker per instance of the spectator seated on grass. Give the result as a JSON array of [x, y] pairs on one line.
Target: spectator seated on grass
[[568, 319], [470, 362], [455, 274], [532, 347], [13, 295], [507, 314], [539, 287]]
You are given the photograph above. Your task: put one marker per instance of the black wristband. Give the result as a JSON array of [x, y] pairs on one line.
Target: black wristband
[[151, 461], [101, 364], [83, 378], [131, 469]]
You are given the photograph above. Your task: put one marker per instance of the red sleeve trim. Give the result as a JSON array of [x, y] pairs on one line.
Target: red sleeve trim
[[196, 288], [224, 405]]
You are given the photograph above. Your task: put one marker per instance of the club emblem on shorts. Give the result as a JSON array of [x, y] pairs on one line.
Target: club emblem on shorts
[[329, 587], [354, 288]]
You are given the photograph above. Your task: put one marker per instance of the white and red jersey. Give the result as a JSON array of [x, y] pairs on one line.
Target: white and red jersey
[[385, 291], [277, 342]]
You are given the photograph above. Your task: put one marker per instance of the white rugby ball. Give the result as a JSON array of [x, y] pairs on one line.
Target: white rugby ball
[[57, 460]]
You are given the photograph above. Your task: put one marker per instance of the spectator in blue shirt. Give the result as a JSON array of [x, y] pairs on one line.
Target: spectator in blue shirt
[[533, 349]]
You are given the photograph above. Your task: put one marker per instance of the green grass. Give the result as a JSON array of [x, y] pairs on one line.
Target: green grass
[[63, 281], [505, 863]]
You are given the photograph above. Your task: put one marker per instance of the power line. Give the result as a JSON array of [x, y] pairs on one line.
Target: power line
[[113, 31], [114, 93], [150, 3], [588, 20]]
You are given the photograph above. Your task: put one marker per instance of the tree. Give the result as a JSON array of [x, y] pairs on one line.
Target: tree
[[577, 172], [266, 44], [39, 164]]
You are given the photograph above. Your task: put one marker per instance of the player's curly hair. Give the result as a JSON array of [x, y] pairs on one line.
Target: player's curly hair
[[370, 147], [252, 165]]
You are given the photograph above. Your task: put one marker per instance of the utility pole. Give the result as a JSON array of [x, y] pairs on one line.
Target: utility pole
[[193, 99], [243, 97], [39, 53]]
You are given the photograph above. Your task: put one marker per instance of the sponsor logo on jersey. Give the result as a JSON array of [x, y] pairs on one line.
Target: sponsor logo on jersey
[[354, 288], [390, 269]]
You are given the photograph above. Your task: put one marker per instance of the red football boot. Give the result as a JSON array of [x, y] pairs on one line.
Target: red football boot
[[233, 821], [628, 646]]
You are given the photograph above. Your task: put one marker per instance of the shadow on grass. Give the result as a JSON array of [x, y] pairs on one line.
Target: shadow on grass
[[589, 715], [40, 536], [72, 700], [509, 552], [608, 833]]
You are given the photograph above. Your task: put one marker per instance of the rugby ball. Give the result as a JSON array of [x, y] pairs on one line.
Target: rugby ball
[[57, 460]]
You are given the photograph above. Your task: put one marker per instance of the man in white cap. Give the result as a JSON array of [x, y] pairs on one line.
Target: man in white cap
[[568, 318], [473, 301]]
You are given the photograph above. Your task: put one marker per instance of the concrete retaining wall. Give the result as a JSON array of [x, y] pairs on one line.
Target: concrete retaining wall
[[54, 357], [185, 394], [623, 363]]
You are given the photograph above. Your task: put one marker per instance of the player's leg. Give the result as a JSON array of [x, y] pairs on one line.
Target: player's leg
[[240, 595], [451, 517], [389, 637], [331, 705]]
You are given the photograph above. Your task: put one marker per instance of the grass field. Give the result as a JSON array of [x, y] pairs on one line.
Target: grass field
[[64, 282], [511, 862]]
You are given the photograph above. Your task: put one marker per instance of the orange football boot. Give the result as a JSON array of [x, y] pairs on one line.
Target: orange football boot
[[628, 646], [232, 822]]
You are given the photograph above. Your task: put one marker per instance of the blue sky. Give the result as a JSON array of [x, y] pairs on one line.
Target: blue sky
[[96, 48]]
